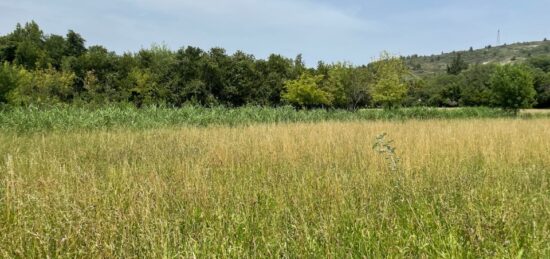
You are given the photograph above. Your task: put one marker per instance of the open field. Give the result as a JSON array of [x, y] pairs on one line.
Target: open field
[[463, 188]]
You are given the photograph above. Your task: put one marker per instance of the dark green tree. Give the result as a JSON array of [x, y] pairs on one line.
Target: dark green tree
[[55, 48], [75, 44], [97, 65], [186, 72], [24, 46], [457, 65], [475, 86], [273, 73], [442, 91], [241, 80], [542, 87]]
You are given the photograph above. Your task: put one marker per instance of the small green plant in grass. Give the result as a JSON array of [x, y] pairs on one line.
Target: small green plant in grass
[[383, 146]]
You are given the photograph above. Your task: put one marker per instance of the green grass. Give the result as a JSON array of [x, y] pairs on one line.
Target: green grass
[[24, 120]]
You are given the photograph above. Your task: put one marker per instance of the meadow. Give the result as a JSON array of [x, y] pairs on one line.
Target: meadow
[[470, 188]]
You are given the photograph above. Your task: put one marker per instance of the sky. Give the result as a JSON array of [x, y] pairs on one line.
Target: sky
[[329, 30]]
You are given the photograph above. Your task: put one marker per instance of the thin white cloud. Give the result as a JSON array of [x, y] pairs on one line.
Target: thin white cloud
[[268, 13], [318, 30], [329, 30]]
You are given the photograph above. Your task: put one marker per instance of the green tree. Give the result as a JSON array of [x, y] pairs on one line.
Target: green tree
[[214, 72], [475, 86], [457, 65], [338, 78], [186, 73], [272, 75], [306, 93], [75, 44], [47, 86], [299, 66], [55, 48], [542, 87], [348, 85], [9, 79], [389, 89], [442, 90], [241, 80], [103, 65], [358, 90], [416, 94], [144, 88], [155, 62], [24, 46], [28, 55], [513, 88]]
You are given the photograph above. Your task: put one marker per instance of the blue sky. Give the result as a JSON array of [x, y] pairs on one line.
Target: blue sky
[[328, 30]]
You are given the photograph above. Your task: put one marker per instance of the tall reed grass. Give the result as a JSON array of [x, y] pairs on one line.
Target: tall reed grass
[[32, 119]]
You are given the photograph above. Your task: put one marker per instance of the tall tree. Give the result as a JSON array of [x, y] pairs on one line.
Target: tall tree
[[273, 73], [186, 73], [75, 44], [457, 65], [242, 80], [389, 89], [25, 45], [55, 48]]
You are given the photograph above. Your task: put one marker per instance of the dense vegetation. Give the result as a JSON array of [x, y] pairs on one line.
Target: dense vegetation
[[67, 119], [458, 189], [41, 69]]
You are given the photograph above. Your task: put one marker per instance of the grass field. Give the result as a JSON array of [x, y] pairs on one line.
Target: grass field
[[462, 188]]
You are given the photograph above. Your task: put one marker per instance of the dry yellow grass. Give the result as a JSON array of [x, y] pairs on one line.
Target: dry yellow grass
[[470, 188], [536, 111]]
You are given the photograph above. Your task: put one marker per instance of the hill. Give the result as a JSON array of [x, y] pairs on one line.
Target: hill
[[504, 54]]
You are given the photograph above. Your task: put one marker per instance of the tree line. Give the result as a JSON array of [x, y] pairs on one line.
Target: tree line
[[49, 69]]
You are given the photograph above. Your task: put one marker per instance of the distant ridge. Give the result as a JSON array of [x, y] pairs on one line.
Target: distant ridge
[[503, 54]]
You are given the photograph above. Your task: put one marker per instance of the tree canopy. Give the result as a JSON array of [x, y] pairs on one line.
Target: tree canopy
[[48, 69]]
